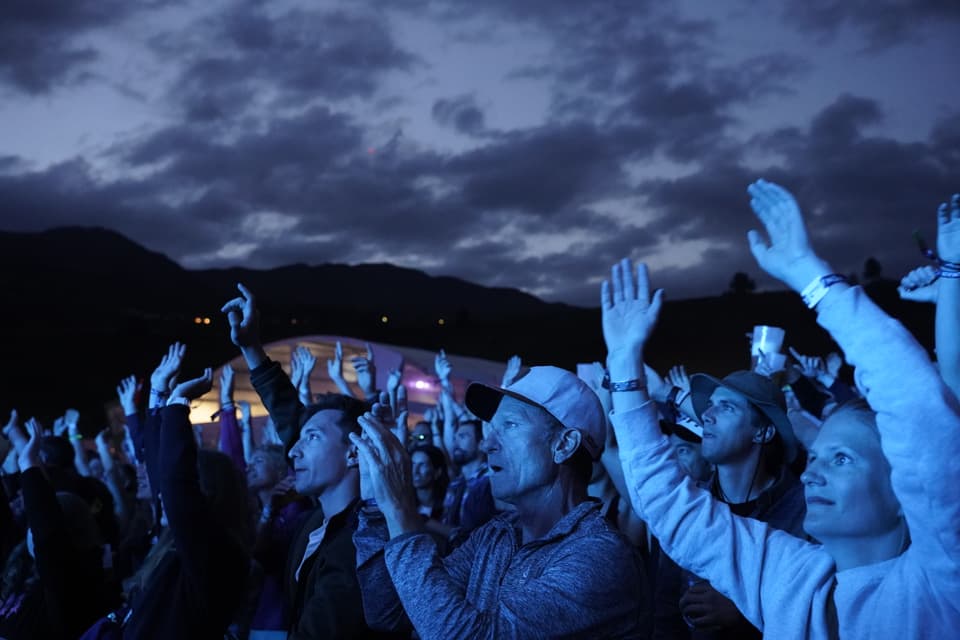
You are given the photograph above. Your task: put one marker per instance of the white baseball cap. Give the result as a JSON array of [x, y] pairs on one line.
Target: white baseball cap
[[557, 391]]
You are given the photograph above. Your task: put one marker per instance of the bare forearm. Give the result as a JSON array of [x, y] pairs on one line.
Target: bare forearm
[[948, 332]]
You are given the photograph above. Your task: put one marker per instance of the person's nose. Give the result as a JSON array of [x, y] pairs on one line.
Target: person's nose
[[811, 476]]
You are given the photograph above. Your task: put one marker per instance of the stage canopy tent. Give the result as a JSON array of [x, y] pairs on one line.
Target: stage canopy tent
[[418, 375]]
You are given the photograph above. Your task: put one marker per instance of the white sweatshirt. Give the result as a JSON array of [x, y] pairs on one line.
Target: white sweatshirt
[[790, 588]]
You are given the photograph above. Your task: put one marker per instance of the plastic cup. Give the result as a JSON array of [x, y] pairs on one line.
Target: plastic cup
[[767, 340]]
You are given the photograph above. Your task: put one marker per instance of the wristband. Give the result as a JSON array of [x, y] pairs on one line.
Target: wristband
[[76, 437], [157, 392], [628, 385], [814, 292], [179, 400], [948, 270]]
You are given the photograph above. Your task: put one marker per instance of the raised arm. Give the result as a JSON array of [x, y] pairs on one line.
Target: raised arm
[[918, 415], [231, 441], [277, 393], [335, 370], [948, 294], [306, 361]]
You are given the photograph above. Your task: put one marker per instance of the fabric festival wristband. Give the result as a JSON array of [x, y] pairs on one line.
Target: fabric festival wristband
[[948, 270], [814, 292]]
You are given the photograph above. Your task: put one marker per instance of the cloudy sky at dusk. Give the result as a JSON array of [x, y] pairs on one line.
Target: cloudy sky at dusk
[[525, 144]]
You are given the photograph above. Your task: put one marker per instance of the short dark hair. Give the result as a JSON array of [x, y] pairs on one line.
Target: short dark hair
[[477, 428], [351, 408]]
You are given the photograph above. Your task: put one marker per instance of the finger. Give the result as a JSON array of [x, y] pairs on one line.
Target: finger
[[374, 430], [796, 355], [943, 214], [655, 304], [758, 247], [248, 297], [365, 451], [643, 283], [234, 305], [630, 288], [617, 279], [401, 399], [339, 350], [369, 352], [606, 300]]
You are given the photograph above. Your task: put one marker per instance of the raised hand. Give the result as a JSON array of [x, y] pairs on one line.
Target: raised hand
[[244, 318], [629, 312], [678, 378], [366, 372], [920, 285], [13, 432], [127, 393], [307, 363], [30, 451], [658, 388], [335, 366], [948, 230], [385, 470], [226, 385], [193, 389], [443, 368], [394, 378], [809, 366], [60, 426], [512, 372], [789, 256], [296, 371], [163, 377]]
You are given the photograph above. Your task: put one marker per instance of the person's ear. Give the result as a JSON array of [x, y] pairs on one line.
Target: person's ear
[[567, 443], [764, 434]]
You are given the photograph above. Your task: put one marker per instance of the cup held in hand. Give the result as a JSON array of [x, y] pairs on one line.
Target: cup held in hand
[[766, 340]]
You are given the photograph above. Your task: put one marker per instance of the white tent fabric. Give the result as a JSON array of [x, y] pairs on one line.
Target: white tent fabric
[[418, 375]]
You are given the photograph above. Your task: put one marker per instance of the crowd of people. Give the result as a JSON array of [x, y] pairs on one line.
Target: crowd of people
[[779, 501]]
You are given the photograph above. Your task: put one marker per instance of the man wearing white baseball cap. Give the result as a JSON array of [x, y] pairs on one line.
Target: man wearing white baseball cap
[[551, 567]]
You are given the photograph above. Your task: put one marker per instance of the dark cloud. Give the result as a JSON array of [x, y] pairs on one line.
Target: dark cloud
[[884, 22], [461, 112], [245, 55], [540, 170], [863, 195], [40, 46]]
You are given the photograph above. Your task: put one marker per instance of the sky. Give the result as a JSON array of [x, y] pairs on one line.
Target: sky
[[520, 144]]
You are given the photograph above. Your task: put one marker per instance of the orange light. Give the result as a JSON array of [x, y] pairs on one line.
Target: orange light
[[384, 319], [197, 320], [206, 321], [441, 322]]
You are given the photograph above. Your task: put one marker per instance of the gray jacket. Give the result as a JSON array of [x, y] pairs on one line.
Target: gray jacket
[[581, 580]]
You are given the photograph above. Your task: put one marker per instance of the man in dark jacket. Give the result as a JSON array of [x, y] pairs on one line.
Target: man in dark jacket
[[321, 579]]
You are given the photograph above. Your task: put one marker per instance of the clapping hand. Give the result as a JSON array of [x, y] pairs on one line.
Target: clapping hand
[[30, 452], [193, 389], [385, 469], [164, 376]]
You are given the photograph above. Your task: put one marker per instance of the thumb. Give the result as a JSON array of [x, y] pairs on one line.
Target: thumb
[[758, 247], [234, 318]]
